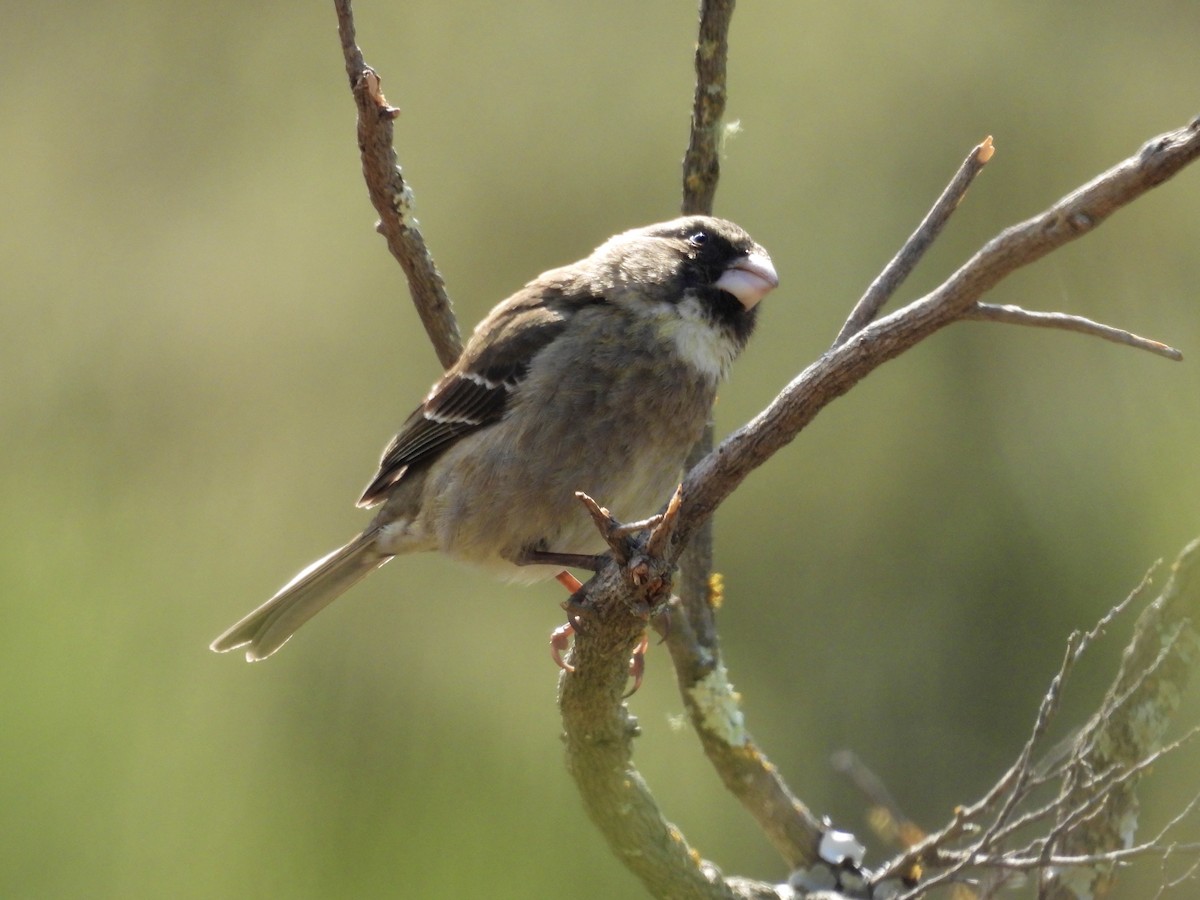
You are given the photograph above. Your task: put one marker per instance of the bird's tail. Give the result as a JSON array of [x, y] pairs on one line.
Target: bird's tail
[[268, 628]]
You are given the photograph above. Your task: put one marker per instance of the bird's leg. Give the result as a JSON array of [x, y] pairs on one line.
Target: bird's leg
[[625, 550], [616, 534], [569, 581], [590, 561], [573, 608]]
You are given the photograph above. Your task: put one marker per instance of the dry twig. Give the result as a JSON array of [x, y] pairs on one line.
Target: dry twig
[[1092, 816], [902, 264], [392, 197], [692, 635], [1015, 315]]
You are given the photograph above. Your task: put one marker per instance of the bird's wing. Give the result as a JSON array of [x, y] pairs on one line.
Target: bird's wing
[[475, 392]]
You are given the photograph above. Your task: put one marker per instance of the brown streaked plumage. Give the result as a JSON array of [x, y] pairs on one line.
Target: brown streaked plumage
[[597, 376]]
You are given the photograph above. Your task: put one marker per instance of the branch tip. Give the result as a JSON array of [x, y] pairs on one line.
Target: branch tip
[[902, 264], [984, 152], [1016, 315], [660, 535]]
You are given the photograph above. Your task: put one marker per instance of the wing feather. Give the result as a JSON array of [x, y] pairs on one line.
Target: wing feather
[[476, 391]]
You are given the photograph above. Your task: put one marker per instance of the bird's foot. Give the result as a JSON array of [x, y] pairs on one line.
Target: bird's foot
[[560, 638]]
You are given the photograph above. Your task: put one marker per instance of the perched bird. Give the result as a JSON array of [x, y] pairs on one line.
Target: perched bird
[[595, 377]]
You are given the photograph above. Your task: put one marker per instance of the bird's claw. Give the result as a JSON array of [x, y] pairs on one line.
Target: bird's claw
[[560, 637], [560, 643], [637, 665]]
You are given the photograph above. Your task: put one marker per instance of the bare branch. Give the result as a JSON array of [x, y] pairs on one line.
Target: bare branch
[[894, 273], [1094, 813], [715, 713], [1188, 874], [1023, 772], [392, 197], [599, 733], [1010, 789], [702, 162], [1109, 617], [716, 476], [701, 171], [1129, 732], [1032, 863], [1015, 315]]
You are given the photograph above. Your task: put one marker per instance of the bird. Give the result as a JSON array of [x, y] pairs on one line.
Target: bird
[[598, 377]]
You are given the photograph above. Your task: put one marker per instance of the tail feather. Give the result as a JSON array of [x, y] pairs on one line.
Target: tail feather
[[268, 628]]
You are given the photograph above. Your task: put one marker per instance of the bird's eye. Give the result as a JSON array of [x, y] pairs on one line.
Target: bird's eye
[[698, 239]]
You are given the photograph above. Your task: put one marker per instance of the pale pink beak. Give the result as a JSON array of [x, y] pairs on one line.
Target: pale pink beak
[[750, 278]]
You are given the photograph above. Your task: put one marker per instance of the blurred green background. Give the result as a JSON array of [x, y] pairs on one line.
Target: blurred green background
[[205, 346]]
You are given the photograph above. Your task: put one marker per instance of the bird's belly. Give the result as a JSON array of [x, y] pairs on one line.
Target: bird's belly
[[500, 505]]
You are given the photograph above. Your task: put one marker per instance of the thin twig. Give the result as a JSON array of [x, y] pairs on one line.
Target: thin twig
[[1111, 616], [392, 197], [1015, 315], [1128, 733], [894, 273], [1097, 789], [1030, 863], [1096, 804], [1187, 874], [1113, 703], [1009, 788], [1094, 791]]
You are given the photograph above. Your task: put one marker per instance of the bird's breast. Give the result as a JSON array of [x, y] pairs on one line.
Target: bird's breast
[[707, 349]]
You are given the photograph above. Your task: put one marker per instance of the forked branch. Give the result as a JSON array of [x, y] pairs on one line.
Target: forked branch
[[711, 481]]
